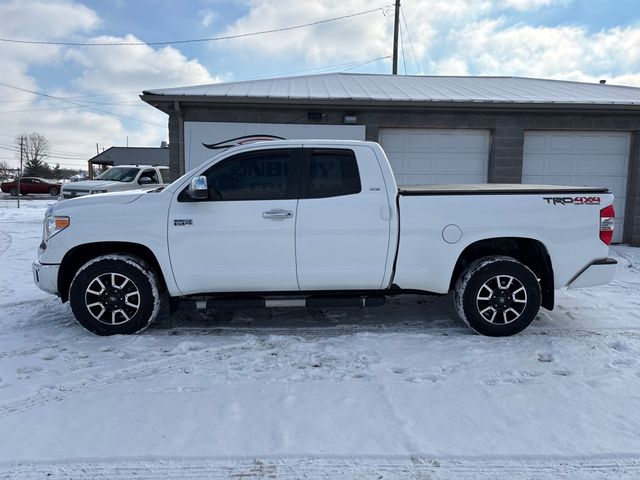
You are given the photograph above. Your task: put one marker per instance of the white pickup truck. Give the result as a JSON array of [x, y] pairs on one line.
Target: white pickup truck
[[118, 179], [313, 223]]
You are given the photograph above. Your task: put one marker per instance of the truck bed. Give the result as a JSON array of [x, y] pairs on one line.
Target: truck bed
[[495, 189]]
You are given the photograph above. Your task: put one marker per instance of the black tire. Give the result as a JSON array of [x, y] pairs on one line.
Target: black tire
[[104, 304], [13, 191], [497, 296], [53, 191]]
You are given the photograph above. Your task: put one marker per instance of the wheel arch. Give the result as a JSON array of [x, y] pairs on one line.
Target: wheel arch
[[531, 252], [79, 255]]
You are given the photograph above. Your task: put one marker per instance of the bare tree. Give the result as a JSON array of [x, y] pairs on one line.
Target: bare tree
[[6, 172], [35, 148]]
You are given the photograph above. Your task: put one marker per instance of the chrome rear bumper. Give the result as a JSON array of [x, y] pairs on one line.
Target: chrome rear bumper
[[598, 272]]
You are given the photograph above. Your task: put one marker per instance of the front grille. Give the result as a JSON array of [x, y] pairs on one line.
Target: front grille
[[75, 193]]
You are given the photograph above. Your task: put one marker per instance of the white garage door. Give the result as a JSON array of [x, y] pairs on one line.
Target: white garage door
[[428, 156], [594, 159]]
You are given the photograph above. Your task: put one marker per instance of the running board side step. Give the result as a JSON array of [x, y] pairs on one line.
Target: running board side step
[[278, 302]]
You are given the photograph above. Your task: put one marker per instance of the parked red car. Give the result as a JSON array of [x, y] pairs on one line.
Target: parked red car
[[31, 185]]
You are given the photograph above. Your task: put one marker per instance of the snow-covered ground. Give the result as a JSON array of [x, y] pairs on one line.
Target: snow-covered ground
[[402, 391]]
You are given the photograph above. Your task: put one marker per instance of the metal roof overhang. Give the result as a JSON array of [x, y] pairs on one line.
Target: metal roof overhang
[[166, 103]]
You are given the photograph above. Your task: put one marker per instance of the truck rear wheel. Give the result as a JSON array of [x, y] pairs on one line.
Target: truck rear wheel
[[497, 296], [115, 294]]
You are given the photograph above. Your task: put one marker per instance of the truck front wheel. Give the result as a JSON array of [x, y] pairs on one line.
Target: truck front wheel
[[115, 294], [497, 296]]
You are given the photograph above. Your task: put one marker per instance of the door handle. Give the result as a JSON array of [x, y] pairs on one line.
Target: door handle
[[277, 213]]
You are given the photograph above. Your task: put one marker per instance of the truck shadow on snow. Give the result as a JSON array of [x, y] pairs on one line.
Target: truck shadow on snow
[[411, 312]]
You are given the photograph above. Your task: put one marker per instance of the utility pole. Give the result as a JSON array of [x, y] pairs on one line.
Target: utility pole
[[20, 171], [396, 27], [90, 164]]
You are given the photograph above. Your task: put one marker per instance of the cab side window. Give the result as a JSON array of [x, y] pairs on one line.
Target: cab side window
[[263, 175], [331, 173]]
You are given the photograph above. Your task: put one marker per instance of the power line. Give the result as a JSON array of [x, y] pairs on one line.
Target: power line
[[404, 61], [51, 153], [115, 94], [84, 144], [406, 29], [367, 63], [35, 110], [351, 65], [194, 40], [61, 99], [66, 108]]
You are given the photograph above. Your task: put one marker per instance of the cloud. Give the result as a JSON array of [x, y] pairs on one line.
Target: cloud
[[528, 4], [336, 42], [42, 20], [24, 19], [92, 72], [50, 20], [360, 37], [207, 16], [134, 67], [456, 37], [491, 47]]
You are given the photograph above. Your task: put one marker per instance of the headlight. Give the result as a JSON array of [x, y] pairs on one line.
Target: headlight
[[91, 192], [53, 225]]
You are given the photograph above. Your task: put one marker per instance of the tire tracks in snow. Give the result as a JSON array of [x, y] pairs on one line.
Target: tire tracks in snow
[[391, 328], [627, 258], [100, 381], [621, 467], [5, 242]]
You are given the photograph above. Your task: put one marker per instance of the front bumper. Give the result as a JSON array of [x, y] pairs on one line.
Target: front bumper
[[598, 272], [46, 277]]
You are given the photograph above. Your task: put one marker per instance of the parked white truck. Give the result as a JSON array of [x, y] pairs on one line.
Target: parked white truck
[[313, 223], [118, 179]]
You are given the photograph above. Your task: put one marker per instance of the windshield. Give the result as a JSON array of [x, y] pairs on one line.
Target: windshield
[[119, 174]]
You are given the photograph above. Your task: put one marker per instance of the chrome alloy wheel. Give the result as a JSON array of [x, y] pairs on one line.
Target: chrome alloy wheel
[[112, 298], [501, 299]]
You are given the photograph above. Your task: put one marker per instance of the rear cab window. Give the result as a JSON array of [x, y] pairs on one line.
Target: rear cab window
[[330, 173], [164, 172]]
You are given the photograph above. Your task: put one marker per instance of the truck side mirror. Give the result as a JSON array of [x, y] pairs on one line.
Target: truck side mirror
[[145, 181], [198, 189]]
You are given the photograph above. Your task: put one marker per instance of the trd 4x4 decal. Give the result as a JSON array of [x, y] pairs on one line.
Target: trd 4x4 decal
[[572, 200]]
